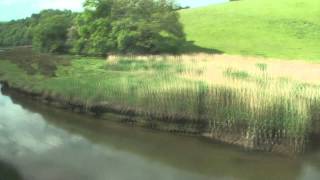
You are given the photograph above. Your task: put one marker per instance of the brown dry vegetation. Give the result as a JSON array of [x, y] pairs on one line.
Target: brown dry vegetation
[[212, 66], [257, 103]]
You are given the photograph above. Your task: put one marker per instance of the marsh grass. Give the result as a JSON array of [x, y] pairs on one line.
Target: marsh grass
[[209, 93], [236, 74], [32, 62]]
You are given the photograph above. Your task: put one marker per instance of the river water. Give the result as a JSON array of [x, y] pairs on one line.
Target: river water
[[43, 143]]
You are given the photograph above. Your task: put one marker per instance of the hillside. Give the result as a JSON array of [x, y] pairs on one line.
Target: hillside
[[288, 29]]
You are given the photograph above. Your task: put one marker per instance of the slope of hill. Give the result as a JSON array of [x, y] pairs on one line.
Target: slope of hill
[[288, 29]]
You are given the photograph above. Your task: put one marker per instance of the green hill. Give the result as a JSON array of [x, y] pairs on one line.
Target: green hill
[[288, 29]]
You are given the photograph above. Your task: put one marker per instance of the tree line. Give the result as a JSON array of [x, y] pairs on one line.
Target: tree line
[[105, 26]]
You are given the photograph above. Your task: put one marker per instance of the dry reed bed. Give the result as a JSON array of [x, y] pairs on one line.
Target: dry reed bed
[[268, 102], [258, 103]]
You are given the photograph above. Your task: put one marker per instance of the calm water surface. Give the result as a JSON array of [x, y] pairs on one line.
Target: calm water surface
[[42, 143]]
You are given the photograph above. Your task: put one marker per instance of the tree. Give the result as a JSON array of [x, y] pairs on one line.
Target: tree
[[127, 26], [50, 34], [46, 31], [15, 33]]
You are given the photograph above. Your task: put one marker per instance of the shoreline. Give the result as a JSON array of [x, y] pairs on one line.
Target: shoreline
[[187, 127]]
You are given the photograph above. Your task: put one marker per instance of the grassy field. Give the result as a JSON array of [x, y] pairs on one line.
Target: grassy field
[[286, 29], [265, 101]]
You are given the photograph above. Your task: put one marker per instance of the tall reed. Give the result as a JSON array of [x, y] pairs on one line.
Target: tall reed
[[256, 101]]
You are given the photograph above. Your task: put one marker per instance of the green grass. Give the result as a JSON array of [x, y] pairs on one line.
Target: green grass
[[261, 108], [287, 29]]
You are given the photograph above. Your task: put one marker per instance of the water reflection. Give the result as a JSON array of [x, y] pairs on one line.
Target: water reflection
[[50, 144]]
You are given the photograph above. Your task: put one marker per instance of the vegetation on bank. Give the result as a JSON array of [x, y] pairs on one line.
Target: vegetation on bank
[[262, 101], [286, 29]]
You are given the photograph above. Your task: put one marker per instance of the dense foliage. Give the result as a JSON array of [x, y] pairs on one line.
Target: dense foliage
[[46, 31], [16, 33], [117, 26], [50, 34], [128, 26]]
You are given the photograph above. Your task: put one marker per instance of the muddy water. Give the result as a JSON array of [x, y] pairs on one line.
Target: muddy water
[[42, 143]]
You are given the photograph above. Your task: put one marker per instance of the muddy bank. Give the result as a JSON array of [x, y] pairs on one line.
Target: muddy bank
[[236, 135]]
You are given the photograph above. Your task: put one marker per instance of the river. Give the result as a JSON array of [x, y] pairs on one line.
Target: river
[[43, 143]]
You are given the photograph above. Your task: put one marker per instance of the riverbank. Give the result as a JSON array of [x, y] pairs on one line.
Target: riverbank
[[57, 133], [257, 104], [102, 111]]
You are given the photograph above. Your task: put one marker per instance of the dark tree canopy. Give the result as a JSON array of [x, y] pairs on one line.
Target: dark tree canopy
[[127, 26]]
